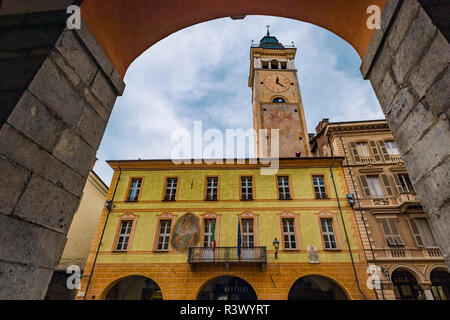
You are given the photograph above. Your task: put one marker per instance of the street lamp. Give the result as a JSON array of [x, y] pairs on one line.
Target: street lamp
[[276, 245]]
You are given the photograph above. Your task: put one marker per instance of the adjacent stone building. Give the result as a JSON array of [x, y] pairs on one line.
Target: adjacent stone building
[[396, 236]]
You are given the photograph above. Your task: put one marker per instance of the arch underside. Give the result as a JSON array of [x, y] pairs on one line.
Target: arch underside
[[125, 29]]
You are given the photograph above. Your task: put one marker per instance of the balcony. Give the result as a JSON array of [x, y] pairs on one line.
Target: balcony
[[227, 256], [396, 158], [366, 159], [408, 254]]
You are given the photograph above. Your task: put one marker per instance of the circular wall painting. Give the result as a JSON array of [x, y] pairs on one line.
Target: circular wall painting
[[186, 232]]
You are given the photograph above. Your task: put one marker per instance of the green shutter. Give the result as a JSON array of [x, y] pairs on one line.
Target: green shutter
[[364, 185], [398, 184], [415, 232], [375, 151], [356, 157], [387, 185], [384, 150]]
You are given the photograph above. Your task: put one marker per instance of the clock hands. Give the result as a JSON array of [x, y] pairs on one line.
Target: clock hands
[[279, 83]]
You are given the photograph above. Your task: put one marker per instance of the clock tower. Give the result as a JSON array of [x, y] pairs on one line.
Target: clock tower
[[276, 98]]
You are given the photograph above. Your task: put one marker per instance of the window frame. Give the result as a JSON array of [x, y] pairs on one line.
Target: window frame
[[240, 187], [325, 184], [383, 195], [205, 191], [392, 236], [298, 242], [163, 216], [291, 194], [337, 235], [367, 148], [166, 180], [206, 216], [388, 148], [130, 181], [124, 217], [249, 215]]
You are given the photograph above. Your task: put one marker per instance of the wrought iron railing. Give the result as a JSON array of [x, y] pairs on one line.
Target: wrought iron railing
[[227, 255]]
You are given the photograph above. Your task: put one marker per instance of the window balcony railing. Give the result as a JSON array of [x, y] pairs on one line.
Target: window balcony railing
[[410, 254], [396, 158], [227, 256], [366, 159]]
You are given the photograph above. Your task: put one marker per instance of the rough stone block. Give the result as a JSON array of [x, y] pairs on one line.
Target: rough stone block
[[77, 56], [429, 151], [30, 38], [433, 63], [104, 91], [400, 107], [412, 46], [52, 88], [28, 154], [46, 204], [434, 188], [74, 152], [382, 64], [24, 282], [92, 127], [26, 243], [417, 122], [406, 14], [35, 121], [438, 96], [12, 183], [439, 220], [387, 91], [389, 11], [17, 73]]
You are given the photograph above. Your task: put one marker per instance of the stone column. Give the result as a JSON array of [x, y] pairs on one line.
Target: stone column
[[407, 63], [426, 288], [57, 90]]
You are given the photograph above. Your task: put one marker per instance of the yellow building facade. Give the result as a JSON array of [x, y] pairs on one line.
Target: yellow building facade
[[179, 277]]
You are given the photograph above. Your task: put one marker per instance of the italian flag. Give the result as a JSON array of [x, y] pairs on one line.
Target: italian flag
[[213, 237]]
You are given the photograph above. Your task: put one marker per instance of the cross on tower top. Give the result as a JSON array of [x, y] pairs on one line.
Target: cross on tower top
[[268, 32]]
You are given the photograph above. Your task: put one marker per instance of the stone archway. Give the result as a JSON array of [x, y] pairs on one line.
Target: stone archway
[[440, 284], [58, 88], [133, 288], [314, 287], [227, 288], [406, 286]]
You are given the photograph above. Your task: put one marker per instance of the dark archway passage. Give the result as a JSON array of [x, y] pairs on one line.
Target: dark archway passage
[[227, 288], [316, 288], [134, 288], [440, 284], [406, 286], [58, 90]]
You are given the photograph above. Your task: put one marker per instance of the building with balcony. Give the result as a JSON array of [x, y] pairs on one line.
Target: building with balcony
[[226, 231], [397, 239]]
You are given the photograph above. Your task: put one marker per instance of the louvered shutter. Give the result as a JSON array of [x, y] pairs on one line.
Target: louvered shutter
[[400, 188], [387, 185], [395, 232], [415, 231], [388, 233], [356, 157], [364, 185], [375, 151], [384, 150]]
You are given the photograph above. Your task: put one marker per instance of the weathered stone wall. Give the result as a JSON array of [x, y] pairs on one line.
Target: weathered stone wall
[[408, 65], [57, 91]]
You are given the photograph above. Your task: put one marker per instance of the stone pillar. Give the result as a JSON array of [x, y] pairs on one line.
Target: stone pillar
[[407, 63], [57, 90]]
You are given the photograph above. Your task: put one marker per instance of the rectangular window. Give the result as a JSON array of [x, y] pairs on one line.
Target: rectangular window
[[207, 233], [422, 232], [283, 188], [391, 148], [124, 235], [164, 235], [375, 186], [362, 149], [212, 185], [246, 188], [247, 233], [289, 239], [405, 183], [319, 187], [329, 237], [171, 189], [390, 229], [135, 188]]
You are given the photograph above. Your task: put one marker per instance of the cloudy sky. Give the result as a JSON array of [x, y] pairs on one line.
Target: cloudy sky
[[201, 73]]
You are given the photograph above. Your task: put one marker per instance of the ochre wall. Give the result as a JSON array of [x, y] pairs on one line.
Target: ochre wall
[[125, 29]]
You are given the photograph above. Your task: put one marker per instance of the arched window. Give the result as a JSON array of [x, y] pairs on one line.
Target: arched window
[[274, 64], [278, 100]]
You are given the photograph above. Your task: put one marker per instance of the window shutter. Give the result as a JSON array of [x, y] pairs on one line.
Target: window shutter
[[384, 150], [388, 233], [387, 185], [415, 232], [356, 157], [395, 233], [398, 184], [364, 185], [375, 151]]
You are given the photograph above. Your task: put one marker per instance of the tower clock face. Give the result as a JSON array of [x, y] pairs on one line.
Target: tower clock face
[[277, 83]]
